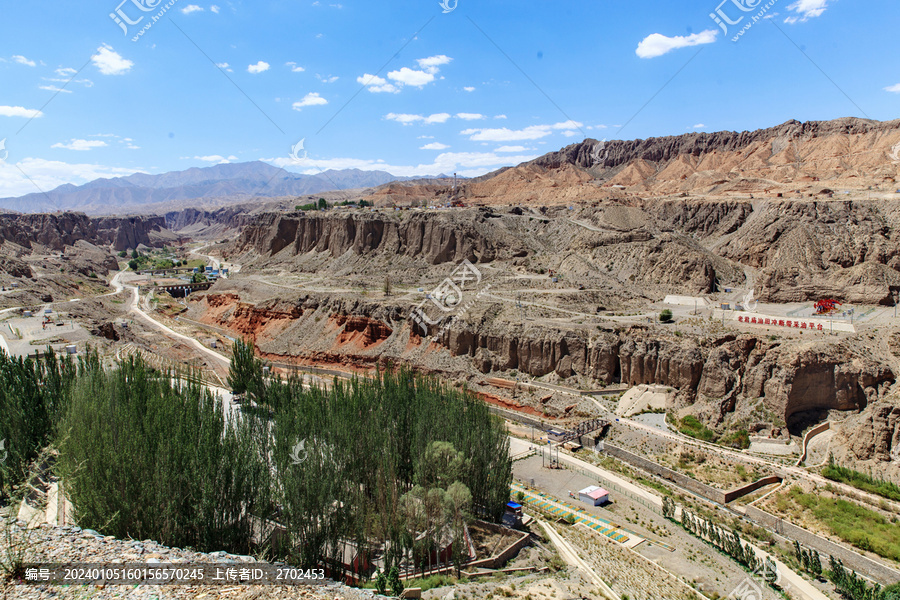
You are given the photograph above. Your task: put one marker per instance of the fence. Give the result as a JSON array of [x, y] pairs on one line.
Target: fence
[[613, 487]]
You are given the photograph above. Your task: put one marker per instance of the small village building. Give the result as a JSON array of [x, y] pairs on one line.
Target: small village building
[[593, 495]]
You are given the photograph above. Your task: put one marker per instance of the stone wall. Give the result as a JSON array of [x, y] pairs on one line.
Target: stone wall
[[852, 560], [701, 489]]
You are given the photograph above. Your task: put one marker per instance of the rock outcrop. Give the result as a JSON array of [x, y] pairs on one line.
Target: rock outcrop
[[421, 236], [714, 377], [58, 230]]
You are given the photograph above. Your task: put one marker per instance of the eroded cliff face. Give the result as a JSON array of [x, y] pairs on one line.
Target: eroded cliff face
[[714, 377], [797, 251], [59, 230], [418, 236], [873, 434], [791, 377]]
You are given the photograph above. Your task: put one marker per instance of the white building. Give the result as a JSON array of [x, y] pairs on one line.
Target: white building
[[593, 495]]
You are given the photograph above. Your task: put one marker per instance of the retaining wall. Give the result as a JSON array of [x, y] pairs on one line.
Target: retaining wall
[[810, 435], [852, 560], [701, 489]]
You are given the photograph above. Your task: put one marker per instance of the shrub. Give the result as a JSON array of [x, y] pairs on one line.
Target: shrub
[[691, 426], [862, 481], [665, 316]]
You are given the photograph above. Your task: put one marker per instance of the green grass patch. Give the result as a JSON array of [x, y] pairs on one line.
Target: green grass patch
[[861, 527], [861, 481], [691, 426], [736, 439], [427, 583]]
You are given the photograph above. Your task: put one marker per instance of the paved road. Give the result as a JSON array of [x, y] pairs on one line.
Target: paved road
[[222, 360]]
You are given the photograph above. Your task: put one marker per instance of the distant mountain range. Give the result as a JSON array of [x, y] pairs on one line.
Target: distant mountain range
[[221, 184]]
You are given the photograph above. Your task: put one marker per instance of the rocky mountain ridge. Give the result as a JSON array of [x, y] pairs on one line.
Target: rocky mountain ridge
[[216, 185], [859, 157]]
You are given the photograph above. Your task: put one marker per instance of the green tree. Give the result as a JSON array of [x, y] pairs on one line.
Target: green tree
[[133, 265], [151, 455], [322, 204], [134, 254], [199, 277], [245, 374], [381, 582], [665, 316], [441, 466], [395, 582]]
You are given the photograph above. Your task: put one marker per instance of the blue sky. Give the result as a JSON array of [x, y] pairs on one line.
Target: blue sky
[[409, 88]]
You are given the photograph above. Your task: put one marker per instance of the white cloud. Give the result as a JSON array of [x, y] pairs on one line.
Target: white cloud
[[434, 146], [511, 149], [24, 61], [469, 116], [469, 88], [377, 84], [225, 67], [50, 174], [408, 119], [111, 62], [432, 63], [66, 72], [215, 158], [468, 164], [657, 44], [259, 67], [19, 111], [295, 67], [53, 88], [533, 132], [699, 126], [893, 88], [191, 8], [80, 145], [329, 79], [500, 117], [806, 10], [215, 9], [311, 99], [407, 76]]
